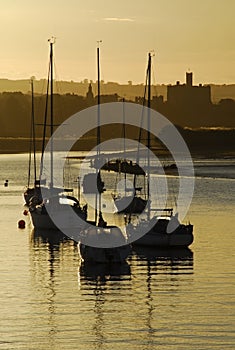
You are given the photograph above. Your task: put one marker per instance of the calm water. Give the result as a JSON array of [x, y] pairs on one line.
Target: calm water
[[158, 300]]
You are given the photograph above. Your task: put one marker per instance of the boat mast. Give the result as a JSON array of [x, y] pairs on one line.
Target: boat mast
[[149, 126], [98, 97], [124, 138], [98, 196], [33, 134], [51, 41]]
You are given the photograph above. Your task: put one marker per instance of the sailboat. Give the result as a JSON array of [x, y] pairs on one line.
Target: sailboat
[[102, 243], [163, 229], [56, 197]]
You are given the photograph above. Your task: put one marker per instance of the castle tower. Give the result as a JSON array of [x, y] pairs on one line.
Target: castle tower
[[189, 79]]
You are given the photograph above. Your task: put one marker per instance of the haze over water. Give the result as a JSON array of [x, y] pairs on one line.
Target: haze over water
[[158, 300]]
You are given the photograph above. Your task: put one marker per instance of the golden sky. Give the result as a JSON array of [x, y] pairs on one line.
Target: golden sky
[[185, 34]]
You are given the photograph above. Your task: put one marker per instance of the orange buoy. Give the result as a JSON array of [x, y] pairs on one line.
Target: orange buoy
[[21, 224], [25, 212]]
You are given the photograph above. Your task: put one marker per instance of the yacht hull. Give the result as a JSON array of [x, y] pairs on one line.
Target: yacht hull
[[181, 237], [41, 220], [104, 245]]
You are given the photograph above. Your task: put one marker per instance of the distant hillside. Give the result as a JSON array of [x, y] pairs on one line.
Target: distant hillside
[[127, 91]]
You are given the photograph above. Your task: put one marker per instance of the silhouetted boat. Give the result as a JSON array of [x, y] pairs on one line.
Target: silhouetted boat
[[61, 206], [158, 235], [101, 243], [105, 237], [55, 197], [163, 229]]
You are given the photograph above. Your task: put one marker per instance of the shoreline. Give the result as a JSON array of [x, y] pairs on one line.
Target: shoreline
[[161, 153]]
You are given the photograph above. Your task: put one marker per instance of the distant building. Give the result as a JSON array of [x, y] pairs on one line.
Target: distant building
[[108, 98], [188, 95], [90, 95]]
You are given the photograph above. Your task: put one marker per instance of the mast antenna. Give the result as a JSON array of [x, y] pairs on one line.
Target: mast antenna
[[52, 40], [98, 43]]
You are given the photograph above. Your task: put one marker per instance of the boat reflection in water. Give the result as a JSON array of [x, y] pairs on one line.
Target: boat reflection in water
[[52, 237], [169, 254], [115, 289], [164, 271], [105, 272], [104, 288], [98, 302]]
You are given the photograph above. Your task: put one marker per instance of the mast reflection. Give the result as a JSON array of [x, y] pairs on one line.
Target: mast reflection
[[166, 271], [47, 257]]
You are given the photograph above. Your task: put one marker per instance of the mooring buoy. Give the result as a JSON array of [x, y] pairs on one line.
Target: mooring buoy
[[21, 224]]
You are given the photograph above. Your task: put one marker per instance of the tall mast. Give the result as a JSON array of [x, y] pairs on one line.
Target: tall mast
[[149, 96], [124, 138], [33, 133], [149, 127], [98, 196], [51, 62], [98, 97], [52, 41]]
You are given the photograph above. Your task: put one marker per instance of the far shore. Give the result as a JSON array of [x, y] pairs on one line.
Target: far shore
[[16, 146]]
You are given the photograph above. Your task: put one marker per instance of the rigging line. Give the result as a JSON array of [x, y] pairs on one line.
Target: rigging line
[[44, 82], [32, 138], [102, 86], [40, 99], [30, 152], [142, 114], [124, 137], [117, 178], [140, 135], [123, 134], [33, 132], [57, 80], [141, 126], [41, 90], [154, 81], [45, 120]]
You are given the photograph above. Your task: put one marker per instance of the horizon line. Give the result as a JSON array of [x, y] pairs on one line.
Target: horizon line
[[91, 81]]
